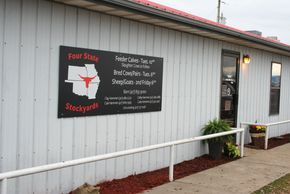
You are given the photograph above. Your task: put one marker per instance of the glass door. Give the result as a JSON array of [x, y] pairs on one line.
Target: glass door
[[229, 87]]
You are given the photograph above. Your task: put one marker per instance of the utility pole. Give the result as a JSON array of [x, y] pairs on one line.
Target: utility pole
[[219, 11]]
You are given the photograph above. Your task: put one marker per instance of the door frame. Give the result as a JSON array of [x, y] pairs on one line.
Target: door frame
[[238, 65]]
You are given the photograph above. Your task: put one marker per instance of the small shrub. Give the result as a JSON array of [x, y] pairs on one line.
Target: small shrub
[[232, 150]]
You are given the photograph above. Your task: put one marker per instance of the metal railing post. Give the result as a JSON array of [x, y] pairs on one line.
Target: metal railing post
[[239, 141], [237, 138], [4, 186], [266, 138], [171, 165], [242, 142]]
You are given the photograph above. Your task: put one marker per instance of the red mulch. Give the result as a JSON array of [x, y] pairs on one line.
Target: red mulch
[[275, 141], [141, 182]]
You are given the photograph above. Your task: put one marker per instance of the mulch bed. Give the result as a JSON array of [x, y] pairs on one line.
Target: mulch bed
[[141, 182], [274, 142]]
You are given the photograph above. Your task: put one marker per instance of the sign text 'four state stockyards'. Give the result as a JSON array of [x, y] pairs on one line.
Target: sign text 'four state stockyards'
[[96, 82]]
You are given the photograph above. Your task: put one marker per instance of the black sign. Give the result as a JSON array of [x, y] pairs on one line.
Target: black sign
[[95, 82]]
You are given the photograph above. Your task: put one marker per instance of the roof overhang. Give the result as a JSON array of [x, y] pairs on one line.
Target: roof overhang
[[148, 13]]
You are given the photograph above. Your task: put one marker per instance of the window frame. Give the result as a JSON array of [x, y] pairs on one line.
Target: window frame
[[271, 113]]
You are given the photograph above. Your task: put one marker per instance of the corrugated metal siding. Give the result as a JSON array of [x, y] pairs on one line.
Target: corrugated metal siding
[[255, 90], [31, 33]]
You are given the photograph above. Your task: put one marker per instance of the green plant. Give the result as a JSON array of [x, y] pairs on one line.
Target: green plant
[[217, 126], [232, 150]]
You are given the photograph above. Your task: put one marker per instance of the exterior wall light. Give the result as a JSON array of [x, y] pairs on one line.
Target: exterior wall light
[[246, 59]]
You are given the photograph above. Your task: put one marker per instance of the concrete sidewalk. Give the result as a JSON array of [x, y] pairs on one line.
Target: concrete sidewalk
[[255, 170]]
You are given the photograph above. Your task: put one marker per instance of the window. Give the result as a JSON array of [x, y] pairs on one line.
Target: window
[[275, 88]]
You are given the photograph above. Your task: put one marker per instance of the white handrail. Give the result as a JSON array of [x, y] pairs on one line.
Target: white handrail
[[267, 129], [265, 124], [278, 123], [38, 169]]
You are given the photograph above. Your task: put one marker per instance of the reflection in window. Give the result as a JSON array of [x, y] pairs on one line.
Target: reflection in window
[[275, 88], [229, 68]]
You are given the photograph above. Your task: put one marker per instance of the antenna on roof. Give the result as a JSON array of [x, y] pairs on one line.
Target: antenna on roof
[[219, 17], [223, 20]]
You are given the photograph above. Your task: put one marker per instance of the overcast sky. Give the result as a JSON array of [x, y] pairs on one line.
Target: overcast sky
[[271, 17]]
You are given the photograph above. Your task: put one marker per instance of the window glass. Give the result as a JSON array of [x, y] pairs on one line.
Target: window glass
[[229, 68], [276, 75], [275, 88]]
